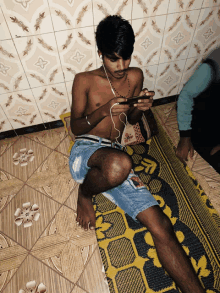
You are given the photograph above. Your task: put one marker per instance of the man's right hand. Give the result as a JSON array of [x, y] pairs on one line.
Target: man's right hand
[[184, 148], [117, 109]]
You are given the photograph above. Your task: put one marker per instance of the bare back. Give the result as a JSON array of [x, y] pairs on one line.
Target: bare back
[[99, 93]]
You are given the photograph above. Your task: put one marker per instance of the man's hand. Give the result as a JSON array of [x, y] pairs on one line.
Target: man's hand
[[145, 104], [184, 148]]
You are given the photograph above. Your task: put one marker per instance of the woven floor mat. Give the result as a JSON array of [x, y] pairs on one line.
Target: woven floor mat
[[127, 249]]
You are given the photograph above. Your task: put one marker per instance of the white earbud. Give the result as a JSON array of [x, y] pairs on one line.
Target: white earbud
[[100, 56]]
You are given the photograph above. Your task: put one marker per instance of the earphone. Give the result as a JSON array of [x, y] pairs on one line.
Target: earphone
[[112, 107]]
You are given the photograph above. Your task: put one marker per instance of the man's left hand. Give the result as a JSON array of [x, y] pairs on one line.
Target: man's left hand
[[145, 104]]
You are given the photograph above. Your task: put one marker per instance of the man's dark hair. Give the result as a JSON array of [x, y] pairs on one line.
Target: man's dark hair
[[115, 35]]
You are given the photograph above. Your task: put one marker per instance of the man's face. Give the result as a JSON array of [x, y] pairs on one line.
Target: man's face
[[116, 65]]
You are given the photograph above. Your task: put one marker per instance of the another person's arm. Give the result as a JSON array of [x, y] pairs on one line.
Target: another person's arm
[[198, 83]]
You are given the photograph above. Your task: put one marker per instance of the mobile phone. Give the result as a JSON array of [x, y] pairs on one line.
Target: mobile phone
[[134, 100]]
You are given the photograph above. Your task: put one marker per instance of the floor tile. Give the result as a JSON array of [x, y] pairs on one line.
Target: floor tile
[[64, 246], [53, 177], [33, 274], [49, 138], [11, 256], [93, 278], [23, 158], [26, 216], [162, 112], [64, 146], [72, 199], [9, 186], [5, 144], [78, 290]]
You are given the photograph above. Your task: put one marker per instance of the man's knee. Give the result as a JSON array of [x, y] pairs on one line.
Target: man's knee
[[118, 167]]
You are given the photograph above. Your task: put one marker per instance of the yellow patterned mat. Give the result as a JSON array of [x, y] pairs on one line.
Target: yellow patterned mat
[[127, 248]]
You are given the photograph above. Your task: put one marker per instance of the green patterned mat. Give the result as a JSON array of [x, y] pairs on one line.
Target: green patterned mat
[[127, 248]]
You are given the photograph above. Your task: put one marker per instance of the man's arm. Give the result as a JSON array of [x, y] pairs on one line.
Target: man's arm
[[79, 124], [198, 83]]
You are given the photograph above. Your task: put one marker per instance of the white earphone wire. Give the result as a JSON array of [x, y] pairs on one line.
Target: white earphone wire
[[125, 124]]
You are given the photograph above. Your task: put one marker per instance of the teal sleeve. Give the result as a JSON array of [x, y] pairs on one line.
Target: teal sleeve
[[198, 83]]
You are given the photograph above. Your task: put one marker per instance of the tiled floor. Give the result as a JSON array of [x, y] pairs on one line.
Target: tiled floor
[[40, 244]]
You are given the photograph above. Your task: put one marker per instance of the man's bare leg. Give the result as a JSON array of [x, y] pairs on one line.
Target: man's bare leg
[[109, 168], [170, 252]]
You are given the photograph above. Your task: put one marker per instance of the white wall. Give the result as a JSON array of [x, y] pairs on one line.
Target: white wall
[[44, 43]]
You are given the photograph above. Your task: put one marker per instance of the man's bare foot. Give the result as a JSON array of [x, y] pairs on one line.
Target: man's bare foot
[[85, 212]]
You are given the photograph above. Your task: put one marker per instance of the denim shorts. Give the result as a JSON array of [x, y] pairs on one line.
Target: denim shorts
[[131, 196]]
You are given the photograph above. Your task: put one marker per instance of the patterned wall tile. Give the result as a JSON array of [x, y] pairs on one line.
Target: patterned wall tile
[[77, 51], [69, 85], [21, 109], [27, 17], [145, 8], [4, 32], [52, 101], [150, 74], [71, 14], [178, 35], [184, 5], [148, 40], [12, 75], [207, 33], [209, 3], [5, 125], [101, 9], [168, 78], [40, 59]]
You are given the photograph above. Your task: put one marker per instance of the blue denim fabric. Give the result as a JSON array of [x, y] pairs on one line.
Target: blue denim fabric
[[131, 196]]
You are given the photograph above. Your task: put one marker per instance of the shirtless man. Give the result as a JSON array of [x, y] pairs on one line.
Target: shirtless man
[[99, 163]]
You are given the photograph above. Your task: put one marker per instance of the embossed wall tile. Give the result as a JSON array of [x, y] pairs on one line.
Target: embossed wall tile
[[178, 35], [146, 8], [101, 9], [69, 85], [40, 59], [183, 5], [190, 67], [148, 40], [150, 73], [71, 14], [4, 32], [210, 3], [52, 101], [5, 125], [12, 75], [27, 17], [168, 79], [207, 33], [21, 109], [77, 51]]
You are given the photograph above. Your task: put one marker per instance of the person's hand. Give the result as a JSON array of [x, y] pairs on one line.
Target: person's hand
[[184, 148], [117, 109], [145, 104]]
